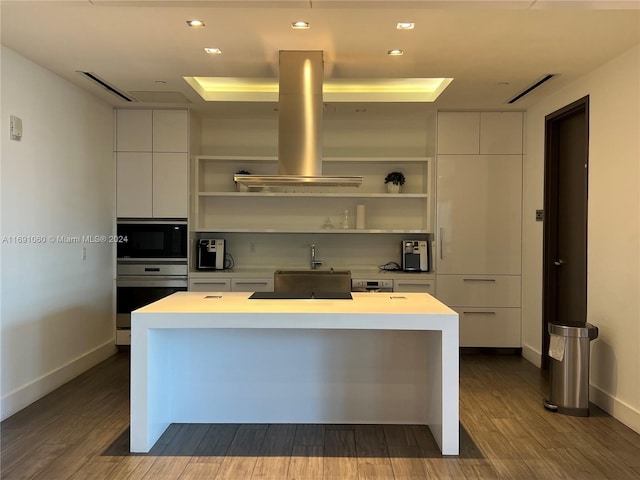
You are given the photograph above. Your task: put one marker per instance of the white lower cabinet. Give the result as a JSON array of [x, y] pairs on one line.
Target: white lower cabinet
[[231, 284], [488, 306], [479, 290], [253, 284], [489, 327], [204, 284], [417, 286]]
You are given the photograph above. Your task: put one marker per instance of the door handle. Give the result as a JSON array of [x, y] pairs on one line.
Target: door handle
[[441, 244], [558, 263]]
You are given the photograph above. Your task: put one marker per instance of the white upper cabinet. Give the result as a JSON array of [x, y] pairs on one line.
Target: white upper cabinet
[[459, 133], [152, 163], [501, 133], [134, 184], [170, 199], [170, 131], [487, 133], [134, 131]]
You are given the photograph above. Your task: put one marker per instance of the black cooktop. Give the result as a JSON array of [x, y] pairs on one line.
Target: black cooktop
[[301, 296]]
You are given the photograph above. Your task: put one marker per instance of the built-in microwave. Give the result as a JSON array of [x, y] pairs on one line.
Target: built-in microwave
[[152, 240]]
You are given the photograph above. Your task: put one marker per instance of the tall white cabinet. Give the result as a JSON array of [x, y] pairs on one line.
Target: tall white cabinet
[[479, 224], [152, 164]]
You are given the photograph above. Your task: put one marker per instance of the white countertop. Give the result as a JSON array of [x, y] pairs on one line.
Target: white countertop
[[358, 272], [385, 311]]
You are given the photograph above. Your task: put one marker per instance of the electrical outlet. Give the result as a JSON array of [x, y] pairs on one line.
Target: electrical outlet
[[539, 215]]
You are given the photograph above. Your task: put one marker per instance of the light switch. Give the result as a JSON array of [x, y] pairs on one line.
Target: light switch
[[15, 128]]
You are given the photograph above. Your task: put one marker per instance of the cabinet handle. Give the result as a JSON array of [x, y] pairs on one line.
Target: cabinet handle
[[441, 243], [478, 279], [479, 313], [251, 283]]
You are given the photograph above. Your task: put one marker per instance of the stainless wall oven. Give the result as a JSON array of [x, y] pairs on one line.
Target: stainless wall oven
[[151, 264]]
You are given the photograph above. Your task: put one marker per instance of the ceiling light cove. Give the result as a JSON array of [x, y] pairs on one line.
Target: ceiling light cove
[[213, 50], [396, 52], [195, 23], [235, 89], [300, 25], [405, 25]]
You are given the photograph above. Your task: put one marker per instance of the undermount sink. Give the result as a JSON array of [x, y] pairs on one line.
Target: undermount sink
[[312, 281]]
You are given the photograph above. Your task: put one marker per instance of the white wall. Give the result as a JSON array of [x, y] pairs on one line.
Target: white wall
[[613, 268], [57, 309], [381, 130]]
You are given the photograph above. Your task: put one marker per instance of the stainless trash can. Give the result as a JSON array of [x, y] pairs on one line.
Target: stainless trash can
[[569, 369]]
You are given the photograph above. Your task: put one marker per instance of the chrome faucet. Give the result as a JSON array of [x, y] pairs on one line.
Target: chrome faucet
[[314, 262]]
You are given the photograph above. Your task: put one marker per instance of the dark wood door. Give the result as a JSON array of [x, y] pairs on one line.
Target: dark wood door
[[565, 219]]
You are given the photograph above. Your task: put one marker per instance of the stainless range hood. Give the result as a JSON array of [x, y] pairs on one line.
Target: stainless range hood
[[299, 126]]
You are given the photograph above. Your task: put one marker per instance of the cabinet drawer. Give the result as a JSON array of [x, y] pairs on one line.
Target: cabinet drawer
[[254, 284], [210, 285], [489, 327], [420, 286], [479, 290]]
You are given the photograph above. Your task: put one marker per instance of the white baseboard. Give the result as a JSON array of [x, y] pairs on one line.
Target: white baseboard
[[532, 355], [38, 388], [619, 410]]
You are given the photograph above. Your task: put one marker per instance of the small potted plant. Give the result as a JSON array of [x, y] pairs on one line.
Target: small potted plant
[[394, 181], [239, 186]]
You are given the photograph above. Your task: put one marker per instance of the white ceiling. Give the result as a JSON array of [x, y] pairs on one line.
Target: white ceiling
[[133, 44]]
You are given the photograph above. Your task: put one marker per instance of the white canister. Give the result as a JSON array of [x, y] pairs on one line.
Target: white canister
[[361, 217]]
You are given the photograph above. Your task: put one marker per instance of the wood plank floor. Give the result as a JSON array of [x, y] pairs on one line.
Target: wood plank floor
[[80, 431]]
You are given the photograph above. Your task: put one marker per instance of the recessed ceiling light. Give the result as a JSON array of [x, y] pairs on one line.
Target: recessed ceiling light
[[195, 23], [300, 25], [395, 52], [213, 51], [405, 25]]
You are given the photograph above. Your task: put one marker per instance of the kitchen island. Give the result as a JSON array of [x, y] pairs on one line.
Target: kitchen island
[[379, 358]]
